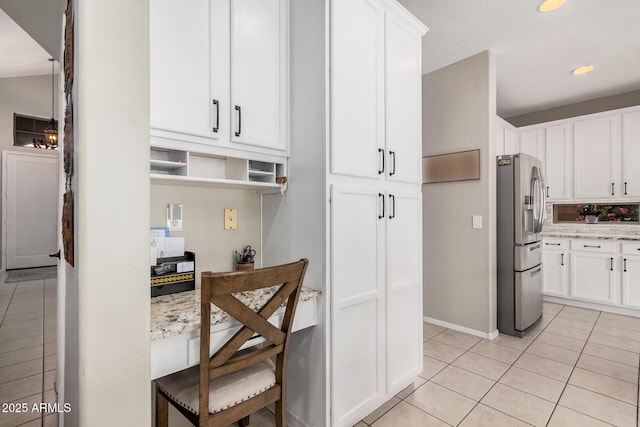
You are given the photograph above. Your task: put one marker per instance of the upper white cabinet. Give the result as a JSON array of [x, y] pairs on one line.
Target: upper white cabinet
[[631, 155], [506, 138], [532, 143], [375, 93], [218, 72], [596, 158], [558, 157]]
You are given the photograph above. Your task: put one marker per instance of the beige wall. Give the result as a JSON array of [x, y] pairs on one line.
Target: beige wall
[[623, 100], [203, 222], [459, 261]]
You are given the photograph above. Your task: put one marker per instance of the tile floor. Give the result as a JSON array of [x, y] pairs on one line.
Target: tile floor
[[577, 367], [27, 350]]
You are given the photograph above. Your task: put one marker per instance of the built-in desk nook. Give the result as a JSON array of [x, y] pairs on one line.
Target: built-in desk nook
[[175, 325]]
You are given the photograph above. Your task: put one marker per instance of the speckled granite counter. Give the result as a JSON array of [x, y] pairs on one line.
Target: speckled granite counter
[[179, 313], [590, 237]]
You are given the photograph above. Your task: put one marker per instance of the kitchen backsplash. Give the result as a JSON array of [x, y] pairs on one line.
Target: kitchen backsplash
[[581, 228]]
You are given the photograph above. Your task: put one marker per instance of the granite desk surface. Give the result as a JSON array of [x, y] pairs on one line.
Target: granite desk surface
[[179, 313]]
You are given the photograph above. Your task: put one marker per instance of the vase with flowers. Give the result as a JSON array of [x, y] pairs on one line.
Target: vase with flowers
[[589, 213]]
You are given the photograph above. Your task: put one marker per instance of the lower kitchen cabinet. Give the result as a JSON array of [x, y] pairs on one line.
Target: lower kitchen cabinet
[[555, 271], [631, 274]]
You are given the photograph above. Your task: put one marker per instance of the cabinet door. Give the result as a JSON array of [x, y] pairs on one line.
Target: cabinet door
[[554, 272], [558, 162], [357, 89], [595, 144], [258, 72], [631, 155], [403, 288], [357, 302], [631, 281], [592, 277], [179, 66], [511, 143], [403, 101], [532, 143]]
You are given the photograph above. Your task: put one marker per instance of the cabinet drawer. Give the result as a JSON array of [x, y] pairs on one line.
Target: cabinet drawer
[[555, 243], [631, 248], [593, 245]]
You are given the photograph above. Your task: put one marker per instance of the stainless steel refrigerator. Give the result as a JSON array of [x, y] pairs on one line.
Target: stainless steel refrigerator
[[520, 213]]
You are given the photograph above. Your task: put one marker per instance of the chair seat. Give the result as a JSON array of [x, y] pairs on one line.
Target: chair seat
[[224, 392]]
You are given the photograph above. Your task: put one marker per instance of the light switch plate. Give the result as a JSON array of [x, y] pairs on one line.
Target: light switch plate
[[477, 221], [230, 219], [174, 217]]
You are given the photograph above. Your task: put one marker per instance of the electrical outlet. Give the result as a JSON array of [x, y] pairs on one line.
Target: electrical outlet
[[174, 217], [230, 219]]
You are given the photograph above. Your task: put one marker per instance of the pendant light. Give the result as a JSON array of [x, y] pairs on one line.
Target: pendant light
[[51, 131]]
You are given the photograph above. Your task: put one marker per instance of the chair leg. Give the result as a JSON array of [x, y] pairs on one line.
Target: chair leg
[[281, 413], [162, 410], [243, 422]]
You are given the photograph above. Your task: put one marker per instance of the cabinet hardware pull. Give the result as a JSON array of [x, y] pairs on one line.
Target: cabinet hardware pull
[[393, 163], [552, 244], [393, 206], [237, 108], [625, 188], [593, 246], [561, 259], [613, 193], [381, 151], [216, 104], [381, 196], [547, 191], [625, 265], [611, 265]]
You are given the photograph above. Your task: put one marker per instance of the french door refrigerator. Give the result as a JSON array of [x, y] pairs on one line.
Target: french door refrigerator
[[520, 213]]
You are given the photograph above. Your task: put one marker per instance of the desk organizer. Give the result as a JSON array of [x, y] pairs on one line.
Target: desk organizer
[[174, 274]]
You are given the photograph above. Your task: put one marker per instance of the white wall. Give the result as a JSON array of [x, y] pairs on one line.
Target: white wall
[[107, 348], [459, 261]]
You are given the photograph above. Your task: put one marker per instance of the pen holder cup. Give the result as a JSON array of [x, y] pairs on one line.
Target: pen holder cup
[[244, 266]]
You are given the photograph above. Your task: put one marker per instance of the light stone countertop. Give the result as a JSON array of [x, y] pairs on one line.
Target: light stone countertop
[[179, 313], [590, 237]]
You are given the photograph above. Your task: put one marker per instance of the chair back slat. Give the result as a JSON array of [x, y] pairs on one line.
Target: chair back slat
[[217, 288]]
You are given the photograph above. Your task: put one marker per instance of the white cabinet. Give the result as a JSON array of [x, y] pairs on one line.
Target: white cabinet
[[596, 158], [555, 267], [594, 271], [218, 72], [506, 138], [631, 155], [532, 142], [631, 274], [558, 162]]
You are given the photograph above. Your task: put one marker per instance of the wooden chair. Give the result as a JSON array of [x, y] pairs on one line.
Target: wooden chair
[[234, 383]]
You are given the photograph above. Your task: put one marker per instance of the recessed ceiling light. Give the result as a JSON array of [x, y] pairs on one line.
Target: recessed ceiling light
[[549, 5], [583, 70]]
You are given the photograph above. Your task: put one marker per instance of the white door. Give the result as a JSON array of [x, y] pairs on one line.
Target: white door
[[357, 301], [592, 277], [631, 281], [532, 143], [179, 52], [404, 288], [258, 106], [558, 161], [357, 89], [403, 101], [30, 202], [631, 155], [594, 154], [554, 272]]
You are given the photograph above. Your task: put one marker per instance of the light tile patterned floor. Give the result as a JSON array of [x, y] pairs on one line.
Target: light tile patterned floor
[[27, 350], [577, 367]]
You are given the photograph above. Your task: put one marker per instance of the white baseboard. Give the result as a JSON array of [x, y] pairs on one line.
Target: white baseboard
[[592, 305], [490, 335]]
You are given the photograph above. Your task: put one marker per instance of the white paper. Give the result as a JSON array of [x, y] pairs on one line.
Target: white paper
[[169, 246]]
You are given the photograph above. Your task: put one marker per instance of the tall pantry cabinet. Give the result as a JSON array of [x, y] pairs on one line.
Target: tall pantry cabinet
[[353, 205]]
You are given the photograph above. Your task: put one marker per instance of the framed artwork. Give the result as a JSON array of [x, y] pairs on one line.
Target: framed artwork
[[460, 166], [67, 202]]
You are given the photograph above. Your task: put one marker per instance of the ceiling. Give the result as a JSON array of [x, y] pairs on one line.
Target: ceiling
[[536, 52]]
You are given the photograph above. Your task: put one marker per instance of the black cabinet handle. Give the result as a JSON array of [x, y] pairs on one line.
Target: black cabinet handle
[[611, 268], [547, 191], [625, 265], [55, 254], [381, 151], [217, 105], [381, 196], [625, 188], [393, 206], [593, 246], [552, 244], [237, 108], [613, 193], [561, 259], [393, 164]]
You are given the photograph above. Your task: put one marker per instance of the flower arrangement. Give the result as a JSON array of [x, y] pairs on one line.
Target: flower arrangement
[[608, 213], [588, 210]]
